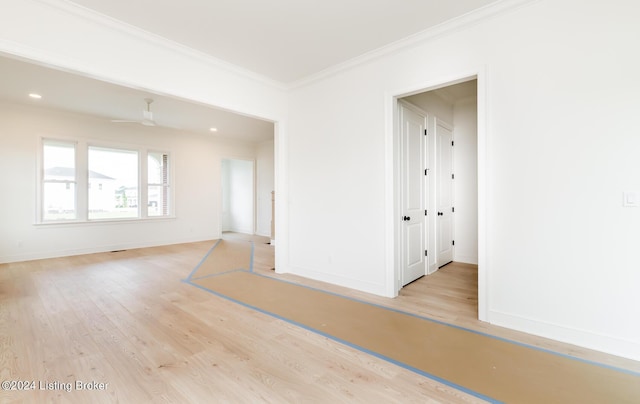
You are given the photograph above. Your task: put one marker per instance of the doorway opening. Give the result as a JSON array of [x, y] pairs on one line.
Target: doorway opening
[[238, 196], [447, 189], [248, 193]]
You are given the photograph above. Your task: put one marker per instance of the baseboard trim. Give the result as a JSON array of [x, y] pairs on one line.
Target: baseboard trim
[[586, 339], [97, 249], [467, 259], [243, 230], [363, 286]]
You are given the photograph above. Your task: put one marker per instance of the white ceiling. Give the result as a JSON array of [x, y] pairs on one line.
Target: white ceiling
[[70, 92], [285, 40], [458, 92]]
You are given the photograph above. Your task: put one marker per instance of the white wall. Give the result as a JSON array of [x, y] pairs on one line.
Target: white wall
[[265, 184], [465, 158], [558, 89], [196, 168], [238, 196]]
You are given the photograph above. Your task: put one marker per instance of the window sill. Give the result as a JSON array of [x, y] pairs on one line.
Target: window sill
[[74, 223]]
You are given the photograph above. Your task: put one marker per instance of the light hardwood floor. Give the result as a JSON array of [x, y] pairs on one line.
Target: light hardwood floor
[[126, 319]]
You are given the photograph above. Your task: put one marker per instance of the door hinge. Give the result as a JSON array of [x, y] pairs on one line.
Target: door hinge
[[453, 209], [425, 171], [452, 143], [453, 242], [453, 176], [425, 212], [425, 132], [425, 253]]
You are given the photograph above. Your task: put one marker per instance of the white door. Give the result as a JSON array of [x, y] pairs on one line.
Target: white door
[[444, 194], [413, 194]]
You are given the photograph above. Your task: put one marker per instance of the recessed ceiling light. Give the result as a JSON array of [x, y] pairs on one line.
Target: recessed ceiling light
[[36, 96], [213, 129]]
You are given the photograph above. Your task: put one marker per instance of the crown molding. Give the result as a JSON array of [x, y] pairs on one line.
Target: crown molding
[[445, 28], [450, 26], [77, 10]]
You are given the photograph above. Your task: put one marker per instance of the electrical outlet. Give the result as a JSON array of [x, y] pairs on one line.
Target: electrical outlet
[[631, 199]]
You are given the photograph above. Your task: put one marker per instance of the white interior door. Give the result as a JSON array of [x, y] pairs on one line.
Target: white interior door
[[444, 195], [413, 194]]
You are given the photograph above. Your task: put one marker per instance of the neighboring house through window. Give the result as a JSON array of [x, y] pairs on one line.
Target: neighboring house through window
[[114, 188], [113, 171], [59, 182]]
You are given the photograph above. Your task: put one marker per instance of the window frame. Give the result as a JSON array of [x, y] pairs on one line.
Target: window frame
[[167, 186], [120, 149], [82, 147], [40, 213]]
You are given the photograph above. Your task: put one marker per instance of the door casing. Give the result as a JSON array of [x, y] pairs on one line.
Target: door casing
[[392, 211]]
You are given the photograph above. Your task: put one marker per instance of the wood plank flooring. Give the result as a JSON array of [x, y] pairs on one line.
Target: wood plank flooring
[[126, 319]]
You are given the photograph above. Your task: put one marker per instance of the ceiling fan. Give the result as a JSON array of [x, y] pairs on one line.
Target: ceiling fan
[[147, 115]]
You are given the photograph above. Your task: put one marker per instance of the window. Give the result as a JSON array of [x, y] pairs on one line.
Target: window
[[158, 184], [58, 180], [81, 182], [115, 172]]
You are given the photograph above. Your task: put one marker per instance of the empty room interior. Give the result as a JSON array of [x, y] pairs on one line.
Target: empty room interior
[[319, 202]]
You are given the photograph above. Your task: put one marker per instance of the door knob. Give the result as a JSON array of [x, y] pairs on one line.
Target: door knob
[[440, 213], [406, 218]]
